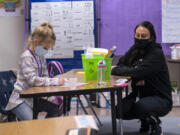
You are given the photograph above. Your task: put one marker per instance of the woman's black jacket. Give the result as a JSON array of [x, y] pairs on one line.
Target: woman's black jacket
[[151, 68]]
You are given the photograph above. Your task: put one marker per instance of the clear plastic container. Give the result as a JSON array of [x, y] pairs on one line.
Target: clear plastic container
[[101, 72], [175, 51]]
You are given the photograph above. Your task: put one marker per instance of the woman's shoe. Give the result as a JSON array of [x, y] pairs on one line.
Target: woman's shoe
[[156, 130], [145, 126], [155, 125]]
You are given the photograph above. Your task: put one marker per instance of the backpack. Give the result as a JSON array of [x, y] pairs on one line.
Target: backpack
[[56, 68]]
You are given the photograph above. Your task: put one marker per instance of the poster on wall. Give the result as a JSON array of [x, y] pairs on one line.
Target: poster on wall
[[73, 24], [11, 7], [171, 21]]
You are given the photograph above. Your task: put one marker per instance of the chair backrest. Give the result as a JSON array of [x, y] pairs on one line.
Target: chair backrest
[[55, 68], [7, 80]]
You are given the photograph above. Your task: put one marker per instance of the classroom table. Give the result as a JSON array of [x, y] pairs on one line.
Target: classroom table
[[90, 87], [50, 126]]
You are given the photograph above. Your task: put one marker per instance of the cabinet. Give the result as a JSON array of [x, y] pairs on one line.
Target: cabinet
[[174, 71]]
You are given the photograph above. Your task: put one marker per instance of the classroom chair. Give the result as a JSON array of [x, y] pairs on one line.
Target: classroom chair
[[7, 80]]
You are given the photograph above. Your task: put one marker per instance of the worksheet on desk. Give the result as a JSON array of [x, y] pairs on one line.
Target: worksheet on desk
[[77, 84]]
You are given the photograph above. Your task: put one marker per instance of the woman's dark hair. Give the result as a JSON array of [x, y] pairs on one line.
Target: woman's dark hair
[[150, 27]]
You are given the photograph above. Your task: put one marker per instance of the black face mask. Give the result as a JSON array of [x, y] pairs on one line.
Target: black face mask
[[141, 43]]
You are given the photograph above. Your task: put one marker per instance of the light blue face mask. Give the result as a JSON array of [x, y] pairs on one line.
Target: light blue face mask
[[40, 51]]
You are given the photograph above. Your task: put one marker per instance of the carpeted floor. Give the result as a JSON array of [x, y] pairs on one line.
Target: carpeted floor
[[170, 126]]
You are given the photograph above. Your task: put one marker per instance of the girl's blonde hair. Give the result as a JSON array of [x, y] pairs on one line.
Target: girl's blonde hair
[[42, 32]]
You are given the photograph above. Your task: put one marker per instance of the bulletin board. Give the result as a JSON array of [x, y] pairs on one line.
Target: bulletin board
[[73, 22]]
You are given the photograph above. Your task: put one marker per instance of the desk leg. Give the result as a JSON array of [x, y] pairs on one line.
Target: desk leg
[[119, 101], [126, 90], [64, 105], [113, 114], [35, 108], [77, 105]]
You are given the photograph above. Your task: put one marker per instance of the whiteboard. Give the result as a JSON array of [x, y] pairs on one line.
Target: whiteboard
[[73, 24], [171, 21]]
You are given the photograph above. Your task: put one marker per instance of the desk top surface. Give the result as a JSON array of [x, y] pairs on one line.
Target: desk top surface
[[90, 86], [50, 126]]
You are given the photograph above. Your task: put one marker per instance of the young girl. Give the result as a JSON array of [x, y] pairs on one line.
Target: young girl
[[33, 72]]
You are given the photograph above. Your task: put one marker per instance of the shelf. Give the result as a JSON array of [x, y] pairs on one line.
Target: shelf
[[173, 61]]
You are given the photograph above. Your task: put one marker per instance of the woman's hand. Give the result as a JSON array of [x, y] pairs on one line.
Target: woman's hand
[[140, 83]]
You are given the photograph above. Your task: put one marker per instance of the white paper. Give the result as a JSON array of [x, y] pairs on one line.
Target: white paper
[[77, 84], [121, 80], [86, 122], [73, 24], [171, 21]]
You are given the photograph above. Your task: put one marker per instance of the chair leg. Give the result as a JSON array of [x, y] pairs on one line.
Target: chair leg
[[90, 105], [77, 106], [105, 99], [79, 100]]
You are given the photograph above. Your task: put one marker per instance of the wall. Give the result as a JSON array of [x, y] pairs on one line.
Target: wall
[[11, 41], [119, 18]]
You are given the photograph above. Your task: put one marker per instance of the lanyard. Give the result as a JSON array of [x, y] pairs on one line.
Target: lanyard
[[39, 66]]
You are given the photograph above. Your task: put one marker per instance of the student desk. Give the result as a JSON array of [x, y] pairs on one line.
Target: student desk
[[50, 126], [91, 87]]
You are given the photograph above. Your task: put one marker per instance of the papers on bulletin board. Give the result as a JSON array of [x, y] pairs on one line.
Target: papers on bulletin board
[[73, 24], [86, 122], [11, 7], [171, 21], [60, 53]]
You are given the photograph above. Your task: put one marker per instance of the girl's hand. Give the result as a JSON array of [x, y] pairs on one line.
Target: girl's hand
[[140, 83], [113, 67], [62, 81]]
